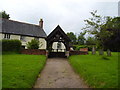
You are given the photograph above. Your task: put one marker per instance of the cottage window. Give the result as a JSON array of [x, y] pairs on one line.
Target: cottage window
[[22, 38], [6, 36]]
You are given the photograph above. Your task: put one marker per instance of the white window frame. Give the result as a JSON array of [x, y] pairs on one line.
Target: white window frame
[[22, 38]]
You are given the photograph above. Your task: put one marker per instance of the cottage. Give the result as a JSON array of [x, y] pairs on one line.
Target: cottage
[[23, 31]]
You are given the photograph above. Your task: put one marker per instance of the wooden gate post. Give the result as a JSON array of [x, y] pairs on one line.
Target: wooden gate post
[[67, 53], [46, 53]]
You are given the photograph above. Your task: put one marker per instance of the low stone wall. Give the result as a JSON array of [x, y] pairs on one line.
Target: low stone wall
[[78, 52], [33, 51], [44, 52]]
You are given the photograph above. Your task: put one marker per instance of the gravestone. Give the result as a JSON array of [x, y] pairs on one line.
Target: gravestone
[[108, 52], [101, 52], [93, 50]]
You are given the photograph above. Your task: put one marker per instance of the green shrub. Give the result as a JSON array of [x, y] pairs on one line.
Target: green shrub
[[11, 45], [77, 47], [90, 47], [34, 44]]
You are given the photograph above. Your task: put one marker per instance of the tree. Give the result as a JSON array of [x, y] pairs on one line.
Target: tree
[[113, 42], [34, 44], [81, 39], [73, 38], [3, 14], [91, 41], [95, 26]]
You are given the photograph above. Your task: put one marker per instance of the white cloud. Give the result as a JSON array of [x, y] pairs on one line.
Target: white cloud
[[67, 13]]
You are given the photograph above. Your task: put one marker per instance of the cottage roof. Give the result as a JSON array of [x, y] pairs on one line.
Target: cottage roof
[[20, 28]]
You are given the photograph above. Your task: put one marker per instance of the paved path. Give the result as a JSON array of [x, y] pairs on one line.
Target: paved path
[[58, 74]]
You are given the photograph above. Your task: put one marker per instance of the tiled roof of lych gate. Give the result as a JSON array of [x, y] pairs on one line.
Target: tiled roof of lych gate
[[57, 30], [20, 28]]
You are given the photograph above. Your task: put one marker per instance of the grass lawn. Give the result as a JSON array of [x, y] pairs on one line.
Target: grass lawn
[[97, 71], [21, 71]]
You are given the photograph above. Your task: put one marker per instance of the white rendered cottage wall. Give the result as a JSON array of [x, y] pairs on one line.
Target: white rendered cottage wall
[[1, 36], [54, 46], [15, 37], [26, 40], [11, 36], [43, 43]]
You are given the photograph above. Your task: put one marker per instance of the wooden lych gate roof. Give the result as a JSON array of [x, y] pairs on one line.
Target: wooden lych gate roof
[[59, 31], [58, 35]]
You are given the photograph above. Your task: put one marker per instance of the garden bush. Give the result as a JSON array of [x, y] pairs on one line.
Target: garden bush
[[34, 44], [77, 47], [11, 45], [90, 47]]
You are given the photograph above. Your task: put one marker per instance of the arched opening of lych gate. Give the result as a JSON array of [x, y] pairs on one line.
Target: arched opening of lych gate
[[58, 43]]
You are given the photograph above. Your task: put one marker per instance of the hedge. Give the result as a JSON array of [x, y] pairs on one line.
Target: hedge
[[77, 47], [11, 45]]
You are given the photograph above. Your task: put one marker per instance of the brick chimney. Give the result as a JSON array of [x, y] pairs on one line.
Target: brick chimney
[[41, 23]]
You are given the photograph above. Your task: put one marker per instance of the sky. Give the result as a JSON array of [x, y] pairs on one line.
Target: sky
[[69, 14]]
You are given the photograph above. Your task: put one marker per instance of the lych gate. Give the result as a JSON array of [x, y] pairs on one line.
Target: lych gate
[[58, 43]]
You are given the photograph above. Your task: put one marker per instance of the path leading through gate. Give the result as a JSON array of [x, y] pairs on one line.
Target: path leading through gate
[[58, 73]]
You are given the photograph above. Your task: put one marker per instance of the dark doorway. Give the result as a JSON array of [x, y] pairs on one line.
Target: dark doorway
[[23, 47], [56, 54]]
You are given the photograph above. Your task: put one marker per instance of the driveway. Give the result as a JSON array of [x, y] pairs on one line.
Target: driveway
[[58, 73]]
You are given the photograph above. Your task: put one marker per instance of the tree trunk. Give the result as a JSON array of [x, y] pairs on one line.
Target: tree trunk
[[93, 50], [108, 52]]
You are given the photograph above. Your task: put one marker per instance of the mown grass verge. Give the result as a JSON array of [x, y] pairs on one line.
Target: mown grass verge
[[97, 71], [21, 71]]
